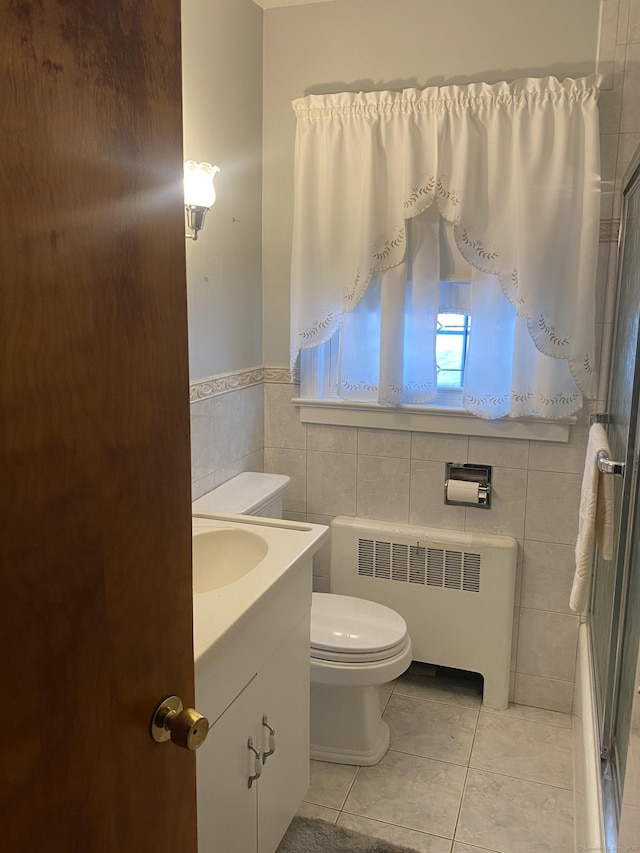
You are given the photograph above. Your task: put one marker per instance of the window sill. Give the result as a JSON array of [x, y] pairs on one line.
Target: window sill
[[435, 419]]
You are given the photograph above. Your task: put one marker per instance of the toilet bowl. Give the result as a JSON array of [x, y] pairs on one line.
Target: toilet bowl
[[356, 645]]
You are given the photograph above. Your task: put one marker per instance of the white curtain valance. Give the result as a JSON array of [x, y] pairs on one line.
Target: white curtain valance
[[514, 167]]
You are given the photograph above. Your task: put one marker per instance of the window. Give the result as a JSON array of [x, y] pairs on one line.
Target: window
[[452, 343], [320, 367]]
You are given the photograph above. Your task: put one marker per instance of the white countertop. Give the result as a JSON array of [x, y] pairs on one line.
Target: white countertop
[[218, 613]]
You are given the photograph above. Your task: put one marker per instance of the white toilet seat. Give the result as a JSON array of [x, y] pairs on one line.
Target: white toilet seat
[[345, 626], [366, 673], [356, 642], [356, 657]]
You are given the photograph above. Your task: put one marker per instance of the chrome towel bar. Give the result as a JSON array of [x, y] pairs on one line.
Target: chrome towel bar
[[608, 466]]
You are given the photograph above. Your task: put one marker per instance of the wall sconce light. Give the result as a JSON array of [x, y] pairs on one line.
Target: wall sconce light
[[199, 194]]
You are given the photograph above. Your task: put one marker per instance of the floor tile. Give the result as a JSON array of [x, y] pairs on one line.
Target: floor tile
[[440, 689], [510, 815], [330, 783], [537, 715], [419, 841], [431, 729], [528, 750], [312, 810], [410, 791], [468, 848]]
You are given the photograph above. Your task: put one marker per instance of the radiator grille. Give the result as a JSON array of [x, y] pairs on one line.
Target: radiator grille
[[428, 565]]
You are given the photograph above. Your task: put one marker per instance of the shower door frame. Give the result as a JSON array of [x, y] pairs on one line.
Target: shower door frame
[[608, 704]]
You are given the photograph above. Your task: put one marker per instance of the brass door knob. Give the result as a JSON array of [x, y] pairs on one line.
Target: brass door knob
[[183, 726]]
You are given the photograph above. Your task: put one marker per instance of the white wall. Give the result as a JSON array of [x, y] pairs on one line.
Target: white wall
[[391, 44], [222, 103]]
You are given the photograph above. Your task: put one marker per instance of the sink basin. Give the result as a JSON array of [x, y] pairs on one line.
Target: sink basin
[[224, 555]]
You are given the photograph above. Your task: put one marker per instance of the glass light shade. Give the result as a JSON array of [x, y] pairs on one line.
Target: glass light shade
[[198, 183]]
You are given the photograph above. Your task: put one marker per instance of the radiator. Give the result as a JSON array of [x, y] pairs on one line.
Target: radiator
[[455, 591]]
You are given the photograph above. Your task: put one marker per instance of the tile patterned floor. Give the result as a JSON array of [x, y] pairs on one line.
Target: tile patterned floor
[[457, 778]]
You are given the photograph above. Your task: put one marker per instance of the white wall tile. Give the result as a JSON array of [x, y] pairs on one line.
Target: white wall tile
[[602, 280], [279, 460], [552, 507], [607, 41], [633, 33], [384, 442], [251, 462], [547, 576], [610, 109], [282, 427], [608, 159], [503, 452], [321, 584], [547, 644], [612, 280], [321, 559], [519, 565], [331, 483], [334, 438], [546, 693], [566, 458], [427, 506], [444, 448], [630, 117], [622, 32], [202, 486], [507, 513], [202, 439], [383, 488], [289, 515], [514, 637], [239, 424]]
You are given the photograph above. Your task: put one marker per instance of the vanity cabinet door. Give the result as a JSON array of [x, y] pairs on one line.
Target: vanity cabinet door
[[233, 818], [284, 698], [227, 807]]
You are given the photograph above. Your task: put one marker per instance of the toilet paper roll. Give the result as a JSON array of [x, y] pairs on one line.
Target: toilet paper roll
[[463, 491]]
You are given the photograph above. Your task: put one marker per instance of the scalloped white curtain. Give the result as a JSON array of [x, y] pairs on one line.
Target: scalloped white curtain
[[515, 168]]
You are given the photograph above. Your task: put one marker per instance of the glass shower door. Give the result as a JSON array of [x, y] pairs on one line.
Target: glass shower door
[[615, 611]]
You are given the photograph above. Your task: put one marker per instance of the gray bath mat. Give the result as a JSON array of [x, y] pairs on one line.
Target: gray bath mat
[[313, 835]]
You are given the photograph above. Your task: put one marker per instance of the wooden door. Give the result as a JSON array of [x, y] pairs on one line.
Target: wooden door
[[95, 586]]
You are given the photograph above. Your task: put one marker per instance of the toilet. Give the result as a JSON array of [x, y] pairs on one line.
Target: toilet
[[356, 645]]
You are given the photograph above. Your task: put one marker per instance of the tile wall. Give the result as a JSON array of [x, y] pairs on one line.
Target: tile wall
[[399, 477], [227, 428]]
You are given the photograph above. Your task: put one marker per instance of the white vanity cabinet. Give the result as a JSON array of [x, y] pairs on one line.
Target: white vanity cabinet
[[284, 690], [262, 672]]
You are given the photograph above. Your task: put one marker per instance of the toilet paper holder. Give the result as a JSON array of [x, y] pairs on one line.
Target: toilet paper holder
[[460, 474]]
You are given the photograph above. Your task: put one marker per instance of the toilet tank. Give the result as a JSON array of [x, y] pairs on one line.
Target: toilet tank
[[250, 493]]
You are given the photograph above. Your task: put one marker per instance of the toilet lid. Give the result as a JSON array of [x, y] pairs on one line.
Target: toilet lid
[[361, 629]]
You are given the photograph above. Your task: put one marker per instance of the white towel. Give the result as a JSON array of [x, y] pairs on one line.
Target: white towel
[[595, 518]]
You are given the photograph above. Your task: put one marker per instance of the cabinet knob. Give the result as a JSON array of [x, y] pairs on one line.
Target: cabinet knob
[[257, 763], [272, 739], [183, 726]]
